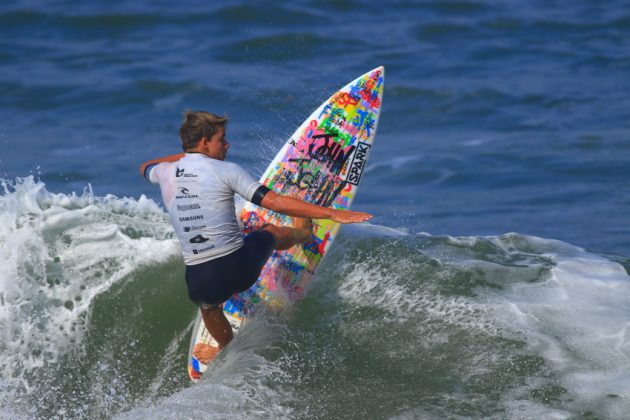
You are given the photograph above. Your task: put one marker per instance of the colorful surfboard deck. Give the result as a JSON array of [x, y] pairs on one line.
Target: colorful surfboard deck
[[322, 163]]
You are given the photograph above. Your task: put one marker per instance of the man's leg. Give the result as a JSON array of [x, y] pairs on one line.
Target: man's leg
[[286, 237], [213, 317], [218, 326]]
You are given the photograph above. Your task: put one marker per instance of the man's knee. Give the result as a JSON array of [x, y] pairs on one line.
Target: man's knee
[[274, 230], [210, 308], [284, 236], [269, 227]]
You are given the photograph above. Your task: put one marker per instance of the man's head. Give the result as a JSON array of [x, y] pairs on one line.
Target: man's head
[[200, 125]]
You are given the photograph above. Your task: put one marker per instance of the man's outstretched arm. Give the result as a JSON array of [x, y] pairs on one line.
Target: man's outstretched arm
[[146, 165], [298, 208]]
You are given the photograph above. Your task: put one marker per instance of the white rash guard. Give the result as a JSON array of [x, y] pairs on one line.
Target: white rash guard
[[198, 193]]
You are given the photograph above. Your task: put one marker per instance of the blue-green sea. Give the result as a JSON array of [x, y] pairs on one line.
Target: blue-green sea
[[492, 281]]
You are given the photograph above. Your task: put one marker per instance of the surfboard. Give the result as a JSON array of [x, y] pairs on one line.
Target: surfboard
[[322, 163]]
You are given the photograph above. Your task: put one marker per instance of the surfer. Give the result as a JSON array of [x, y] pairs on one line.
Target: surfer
[[198, 188]]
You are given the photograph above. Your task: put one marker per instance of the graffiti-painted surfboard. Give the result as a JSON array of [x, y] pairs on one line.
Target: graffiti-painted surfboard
[[322, 163]]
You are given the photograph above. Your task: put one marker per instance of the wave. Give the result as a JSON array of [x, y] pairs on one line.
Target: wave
[[95, 323], [60, 253]]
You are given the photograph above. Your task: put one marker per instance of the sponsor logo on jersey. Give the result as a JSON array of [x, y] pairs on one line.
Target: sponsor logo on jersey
[[198, 240], [185, 193], [188, 207], [193, 228], [197, 251], [182, 172], [191, 218], [358, 163]]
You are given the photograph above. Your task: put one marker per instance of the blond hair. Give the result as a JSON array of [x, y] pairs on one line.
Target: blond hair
[[197, 125]]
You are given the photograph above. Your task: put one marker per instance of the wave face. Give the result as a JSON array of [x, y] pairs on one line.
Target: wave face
[[95, 323], [68, 261]]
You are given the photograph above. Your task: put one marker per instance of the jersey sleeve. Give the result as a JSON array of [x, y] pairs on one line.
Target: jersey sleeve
[[153, 172], [240, 181]]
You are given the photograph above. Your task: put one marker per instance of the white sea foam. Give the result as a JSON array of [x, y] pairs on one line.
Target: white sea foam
[[59, 252], [367, 229], [528, 410], [578, 319], [388, 284], [237, 386], [569, 306]]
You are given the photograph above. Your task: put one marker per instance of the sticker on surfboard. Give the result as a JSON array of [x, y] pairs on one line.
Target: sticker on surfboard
[[322, 163]]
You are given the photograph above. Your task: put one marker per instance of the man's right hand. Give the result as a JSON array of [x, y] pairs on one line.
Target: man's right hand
[[348, 216]]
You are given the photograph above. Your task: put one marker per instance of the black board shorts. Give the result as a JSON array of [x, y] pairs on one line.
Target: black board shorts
[[214, 282]]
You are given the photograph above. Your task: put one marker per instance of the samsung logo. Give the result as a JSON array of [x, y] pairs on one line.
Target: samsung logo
[[190, 218]]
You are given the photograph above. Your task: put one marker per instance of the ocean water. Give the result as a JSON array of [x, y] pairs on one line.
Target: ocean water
[[492, 281]]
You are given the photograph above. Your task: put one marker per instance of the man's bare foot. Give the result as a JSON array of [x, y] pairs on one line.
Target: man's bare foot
[[304, 224], [205, 353]]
